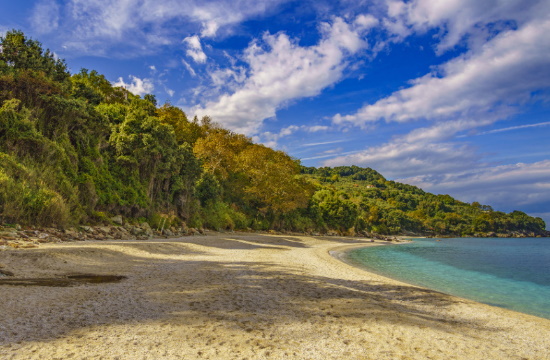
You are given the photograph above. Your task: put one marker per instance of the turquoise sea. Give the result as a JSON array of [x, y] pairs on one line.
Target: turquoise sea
[[512, 273]]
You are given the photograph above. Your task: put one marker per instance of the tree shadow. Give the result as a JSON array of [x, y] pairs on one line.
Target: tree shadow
[[238, 295]]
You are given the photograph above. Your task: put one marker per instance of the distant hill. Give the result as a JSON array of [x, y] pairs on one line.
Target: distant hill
[[389, 207]]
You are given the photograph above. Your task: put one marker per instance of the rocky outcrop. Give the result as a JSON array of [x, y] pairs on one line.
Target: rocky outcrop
[[16, 237]]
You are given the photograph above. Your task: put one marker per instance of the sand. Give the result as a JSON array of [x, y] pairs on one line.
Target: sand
[[242, 296]]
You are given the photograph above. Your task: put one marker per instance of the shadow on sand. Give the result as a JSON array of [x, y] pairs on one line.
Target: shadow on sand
[[236, 294]]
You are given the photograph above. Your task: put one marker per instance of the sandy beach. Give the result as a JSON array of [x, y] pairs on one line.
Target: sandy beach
[[241, 296]]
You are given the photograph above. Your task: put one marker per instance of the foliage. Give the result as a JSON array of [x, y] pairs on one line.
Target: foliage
[[388, 207], [74, 149]]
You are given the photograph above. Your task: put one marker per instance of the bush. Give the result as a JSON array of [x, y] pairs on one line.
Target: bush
[[220, 216], [33, 205]]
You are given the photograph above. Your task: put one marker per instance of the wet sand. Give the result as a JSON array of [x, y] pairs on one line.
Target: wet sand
[[242, 296]]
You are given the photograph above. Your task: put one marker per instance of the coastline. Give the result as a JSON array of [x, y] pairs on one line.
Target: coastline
[[234, 296]]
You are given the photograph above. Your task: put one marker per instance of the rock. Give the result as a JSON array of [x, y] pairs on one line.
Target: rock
[[134, 230], [194, 231], [117, 219], [88, 229], [72, 233], [168, 232], [6, 273], [184, 229], [8, 235], [105, 230], [120, 233], [122, 230], [146, 228]]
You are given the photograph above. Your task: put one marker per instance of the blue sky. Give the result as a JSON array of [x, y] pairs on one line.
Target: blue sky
[[452, 96]]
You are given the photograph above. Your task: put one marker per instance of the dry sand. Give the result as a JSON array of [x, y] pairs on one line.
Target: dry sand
[[242, 296]]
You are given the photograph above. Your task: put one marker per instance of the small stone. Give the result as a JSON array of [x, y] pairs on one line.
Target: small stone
[[117, 219], [134, 230], [104, 229], [88, 229], [6, 273], [167, 232], [72, 233], [146, 228]]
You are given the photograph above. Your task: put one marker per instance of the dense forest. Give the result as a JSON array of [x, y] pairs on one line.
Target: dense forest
[[76, 150]]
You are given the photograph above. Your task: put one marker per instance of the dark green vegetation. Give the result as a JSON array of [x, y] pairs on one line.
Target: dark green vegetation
[[74, 149], [363, 198]]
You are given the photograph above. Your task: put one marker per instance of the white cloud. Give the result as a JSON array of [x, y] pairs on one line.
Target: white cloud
[[194, 49], [270, 139], [288, 130], [210, 28], [317, 128], [328, 154], [137, 86], [228, 78], [189, 68], [279, 71], [324, 143], [511, 128], [422, 150], [404, 159], [366, 21], [505, 71], [130, 27], [460, 18], [170, 92], [45, 17]]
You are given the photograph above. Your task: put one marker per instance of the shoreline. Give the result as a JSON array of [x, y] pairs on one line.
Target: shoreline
[[238, 295], [340, 253]]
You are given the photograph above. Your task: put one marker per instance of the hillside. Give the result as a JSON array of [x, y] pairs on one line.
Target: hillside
[[389, 207], [75, 150]]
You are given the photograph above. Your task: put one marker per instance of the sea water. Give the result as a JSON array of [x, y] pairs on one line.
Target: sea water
[[513, 273]]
